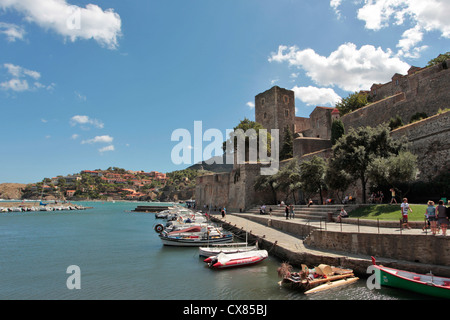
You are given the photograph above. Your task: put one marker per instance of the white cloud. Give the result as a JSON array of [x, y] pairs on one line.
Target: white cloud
[[74, 136], [107, 148], [335, 5], [17, 85], [316, 96], [20, 78], [19, 72], [70, 21], [85, 120], [348, 68], [12, 31], [250, 104], [425, 16], [99, 139]]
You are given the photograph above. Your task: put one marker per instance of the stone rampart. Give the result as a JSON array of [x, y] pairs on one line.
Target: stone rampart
[[430, 141]]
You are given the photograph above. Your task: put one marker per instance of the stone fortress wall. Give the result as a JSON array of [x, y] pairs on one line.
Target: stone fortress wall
[[421, 90]]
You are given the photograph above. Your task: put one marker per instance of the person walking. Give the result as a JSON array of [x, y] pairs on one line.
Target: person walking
[[291, 209], [405, 208], [393, 199], [442, 217], [431, 217], [286, 211]]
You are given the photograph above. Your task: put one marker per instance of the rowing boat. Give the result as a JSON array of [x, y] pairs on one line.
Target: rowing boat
[[427, 284]]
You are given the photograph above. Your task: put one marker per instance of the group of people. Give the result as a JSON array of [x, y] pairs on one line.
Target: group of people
[[289, 211], [436, 216], [376, 197]]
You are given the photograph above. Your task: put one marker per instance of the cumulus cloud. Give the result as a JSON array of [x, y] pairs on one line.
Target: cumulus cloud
[[22, 79], [348, 68], [99, 139], [425, 16], [107, 148], [86, 120], [70, 21], [12, 31], [250, 104], [313, 96]]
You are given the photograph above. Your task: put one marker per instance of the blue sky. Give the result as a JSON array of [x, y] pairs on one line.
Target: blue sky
[[93, 84]]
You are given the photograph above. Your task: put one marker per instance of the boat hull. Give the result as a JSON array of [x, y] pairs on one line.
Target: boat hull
[[194, 242], [390, 277], [214, 251], [239, 263]]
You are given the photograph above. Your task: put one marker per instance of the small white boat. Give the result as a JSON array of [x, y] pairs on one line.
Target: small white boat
[[195, 236], [228, 248], [240, 259]]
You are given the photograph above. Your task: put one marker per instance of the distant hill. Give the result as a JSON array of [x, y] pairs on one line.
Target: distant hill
[[215, 167], [11, 190]]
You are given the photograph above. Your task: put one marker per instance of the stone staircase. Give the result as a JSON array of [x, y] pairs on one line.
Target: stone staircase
[[314, 212]]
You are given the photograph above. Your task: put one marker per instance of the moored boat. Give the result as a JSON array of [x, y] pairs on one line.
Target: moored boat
[[231, 260], [195, 236], [228, 248], [319, 278], [427, 284]]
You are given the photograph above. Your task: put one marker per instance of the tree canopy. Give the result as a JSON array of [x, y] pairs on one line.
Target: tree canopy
[[353, 102], [356, 151]]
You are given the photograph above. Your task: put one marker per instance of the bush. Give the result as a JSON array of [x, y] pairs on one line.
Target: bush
[[418, 116]]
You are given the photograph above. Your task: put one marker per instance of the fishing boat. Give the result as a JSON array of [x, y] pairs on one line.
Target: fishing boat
[[231, 260], [427, 284], [235, 247], [195, 236], [317, 279]]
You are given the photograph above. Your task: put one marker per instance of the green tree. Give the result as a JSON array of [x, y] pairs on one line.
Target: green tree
[[266, 183], [353, 102], [288, 179], [246, 125], [337, 180], [356, 151], [287, 149], [312, 176], [337, 130], [439, 59], [394, 170]]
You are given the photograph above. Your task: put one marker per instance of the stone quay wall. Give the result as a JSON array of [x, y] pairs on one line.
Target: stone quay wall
[[425, 249]]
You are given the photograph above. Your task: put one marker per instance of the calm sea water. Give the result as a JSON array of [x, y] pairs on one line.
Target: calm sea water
[[121, 257]]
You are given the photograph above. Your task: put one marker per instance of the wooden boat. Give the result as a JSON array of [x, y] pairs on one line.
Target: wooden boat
[[320, 278], [427, 284], [228, 248], [195, 236], [231, 260]]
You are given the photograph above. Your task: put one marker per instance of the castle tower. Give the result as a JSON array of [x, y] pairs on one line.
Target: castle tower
[[275, 109]]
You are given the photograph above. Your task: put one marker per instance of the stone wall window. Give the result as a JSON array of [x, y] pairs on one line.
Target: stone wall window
[[286, 113], [286, 99], [265, 115], [263, 101]]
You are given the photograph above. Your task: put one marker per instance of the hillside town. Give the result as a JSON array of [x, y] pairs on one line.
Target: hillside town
[[107, 185]]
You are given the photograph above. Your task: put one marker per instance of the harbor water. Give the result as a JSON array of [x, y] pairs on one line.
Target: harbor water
[[120, 256]]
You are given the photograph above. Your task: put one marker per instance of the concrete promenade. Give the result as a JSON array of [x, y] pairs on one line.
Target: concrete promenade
[[283, 240]]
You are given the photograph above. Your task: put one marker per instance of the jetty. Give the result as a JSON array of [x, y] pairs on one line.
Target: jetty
[[315, 238]]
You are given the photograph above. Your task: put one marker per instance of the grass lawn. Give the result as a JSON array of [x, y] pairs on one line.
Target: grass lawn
[[388, 212]]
